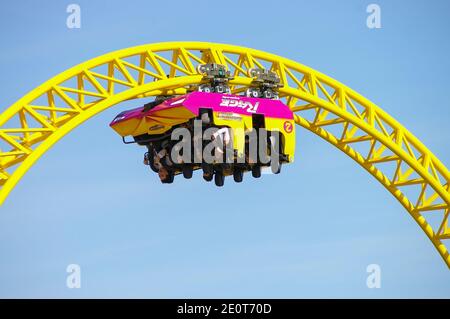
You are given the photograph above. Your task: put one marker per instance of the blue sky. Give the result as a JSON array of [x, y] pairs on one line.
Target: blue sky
[[308, 232]]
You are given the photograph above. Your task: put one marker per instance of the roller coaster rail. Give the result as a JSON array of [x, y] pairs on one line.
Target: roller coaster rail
[[322, 105]]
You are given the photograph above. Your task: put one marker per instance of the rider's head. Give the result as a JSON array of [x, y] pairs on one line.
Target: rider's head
[[163, 173]]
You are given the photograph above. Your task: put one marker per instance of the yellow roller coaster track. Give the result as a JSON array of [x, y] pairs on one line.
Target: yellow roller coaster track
[[344, 118]]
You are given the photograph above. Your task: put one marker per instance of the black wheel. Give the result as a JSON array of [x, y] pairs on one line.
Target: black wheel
[[238, 175], [256, 171], [219, 179], [187, 171]]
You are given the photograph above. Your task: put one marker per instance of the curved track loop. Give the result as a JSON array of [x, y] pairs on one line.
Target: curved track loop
[[356, 126]]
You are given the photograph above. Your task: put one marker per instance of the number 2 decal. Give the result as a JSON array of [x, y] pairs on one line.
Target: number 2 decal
[[288, 127]]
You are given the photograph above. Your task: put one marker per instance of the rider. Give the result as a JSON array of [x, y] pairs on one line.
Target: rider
[[162, 161], [223, 137]]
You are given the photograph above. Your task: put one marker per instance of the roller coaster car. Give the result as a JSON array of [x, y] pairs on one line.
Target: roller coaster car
[[153, 124]]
